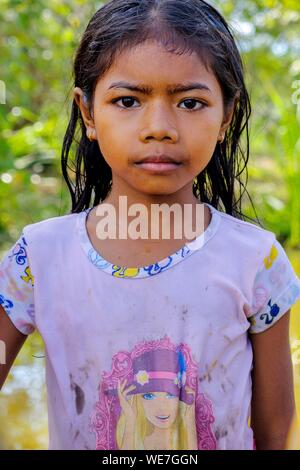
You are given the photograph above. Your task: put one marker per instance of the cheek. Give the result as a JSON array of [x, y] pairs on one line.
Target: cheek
[[201, 135], [114, 141], [174, 405], [207, 130], [149, 407], [114, 125]]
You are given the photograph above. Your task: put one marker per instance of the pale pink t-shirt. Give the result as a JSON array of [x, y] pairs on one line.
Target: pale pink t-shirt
[[153, 357]]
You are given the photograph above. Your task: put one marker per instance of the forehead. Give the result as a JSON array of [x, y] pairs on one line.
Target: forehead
[[151, 63]]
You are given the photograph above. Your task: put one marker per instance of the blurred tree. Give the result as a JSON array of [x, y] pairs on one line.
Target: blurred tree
[[268, 36]]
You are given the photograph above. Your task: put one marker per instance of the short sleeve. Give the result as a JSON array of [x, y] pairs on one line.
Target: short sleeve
[[16, 287], [276, 288]]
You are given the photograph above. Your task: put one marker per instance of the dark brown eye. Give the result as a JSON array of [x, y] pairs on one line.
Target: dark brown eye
[[191, 104], [126, 101]]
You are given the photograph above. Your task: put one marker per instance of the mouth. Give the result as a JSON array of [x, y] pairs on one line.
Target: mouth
[[163, 418], [159, 163], [159, 167]]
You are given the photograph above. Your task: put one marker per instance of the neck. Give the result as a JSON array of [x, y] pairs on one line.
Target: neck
[[122, 198], [183, 196]]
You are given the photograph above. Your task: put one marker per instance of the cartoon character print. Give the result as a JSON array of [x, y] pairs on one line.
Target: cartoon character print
[[19, 252], [150, 400], [269, 260], [7, 304], [129, 272], [273, 312], [18, 284], [152, 269], [275, 278], [262, 294], [119, 271], [275, 290]]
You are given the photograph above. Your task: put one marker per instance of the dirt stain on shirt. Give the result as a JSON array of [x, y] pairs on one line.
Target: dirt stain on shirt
[[79, 395]]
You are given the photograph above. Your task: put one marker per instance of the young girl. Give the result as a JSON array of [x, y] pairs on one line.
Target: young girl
[[159, 342]]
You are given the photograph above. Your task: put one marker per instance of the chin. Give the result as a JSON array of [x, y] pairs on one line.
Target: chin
[[157, 191]]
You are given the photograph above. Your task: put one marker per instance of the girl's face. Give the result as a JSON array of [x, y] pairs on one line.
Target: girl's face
[[160, 408], [130, 125]]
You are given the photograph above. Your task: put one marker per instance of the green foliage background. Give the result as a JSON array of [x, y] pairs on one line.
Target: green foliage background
[[37, 44]]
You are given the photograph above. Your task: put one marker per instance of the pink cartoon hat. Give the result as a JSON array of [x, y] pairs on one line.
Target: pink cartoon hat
[[161, 370]]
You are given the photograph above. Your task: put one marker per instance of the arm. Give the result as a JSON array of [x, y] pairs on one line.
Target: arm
[[13, 340], [273, 403]]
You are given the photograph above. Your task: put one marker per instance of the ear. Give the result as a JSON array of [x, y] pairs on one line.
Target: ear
[[85, 113], [228, 116]]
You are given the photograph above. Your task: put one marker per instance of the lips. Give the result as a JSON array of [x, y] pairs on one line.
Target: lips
[[163, 418], [158, 159]]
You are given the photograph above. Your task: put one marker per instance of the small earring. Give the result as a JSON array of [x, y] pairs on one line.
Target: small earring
[[89, 135], [221, 140]]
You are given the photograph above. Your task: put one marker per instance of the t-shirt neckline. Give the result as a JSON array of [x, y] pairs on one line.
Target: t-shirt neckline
[[145, 271]]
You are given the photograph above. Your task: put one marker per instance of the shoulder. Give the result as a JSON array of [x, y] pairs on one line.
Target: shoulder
[[51, 230], [248, 236]]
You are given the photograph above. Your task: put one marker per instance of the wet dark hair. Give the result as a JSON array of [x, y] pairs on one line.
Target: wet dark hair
[[181, 26]]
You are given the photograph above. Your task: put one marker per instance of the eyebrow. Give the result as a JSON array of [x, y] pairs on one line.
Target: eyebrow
[[171, 89]]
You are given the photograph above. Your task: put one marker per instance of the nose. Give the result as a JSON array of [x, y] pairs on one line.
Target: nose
[[158, 125]]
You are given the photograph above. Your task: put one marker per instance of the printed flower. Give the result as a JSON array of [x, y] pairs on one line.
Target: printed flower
[[142, 377]]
